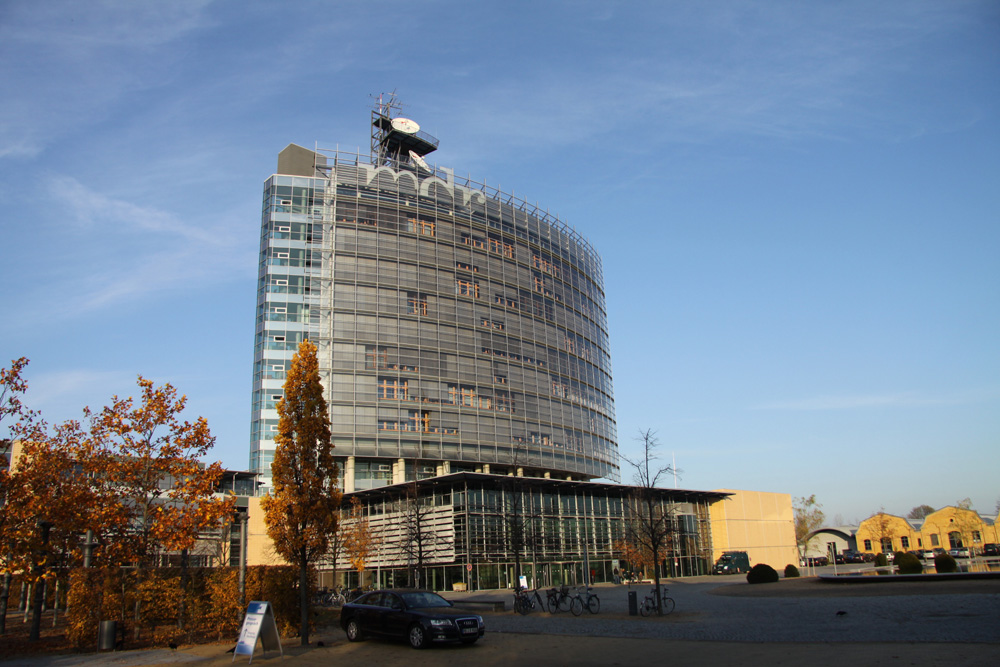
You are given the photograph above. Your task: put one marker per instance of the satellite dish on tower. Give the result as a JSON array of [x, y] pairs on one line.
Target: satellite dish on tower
[[418, 160], [405, 125]]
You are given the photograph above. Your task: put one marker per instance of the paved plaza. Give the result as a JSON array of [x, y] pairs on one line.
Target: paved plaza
[[716, 621]]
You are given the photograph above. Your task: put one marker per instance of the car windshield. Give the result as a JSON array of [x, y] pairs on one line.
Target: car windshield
[[424, 599]]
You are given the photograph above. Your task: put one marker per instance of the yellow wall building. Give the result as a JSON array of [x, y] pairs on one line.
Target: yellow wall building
[[947, 528], [757, 522]]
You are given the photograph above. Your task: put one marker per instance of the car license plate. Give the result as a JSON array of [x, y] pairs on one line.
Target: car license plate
[[470, 631]]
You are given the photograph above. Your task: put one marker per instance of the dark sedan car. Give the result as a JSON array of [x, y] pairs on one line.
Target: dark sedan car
[[420, 617]]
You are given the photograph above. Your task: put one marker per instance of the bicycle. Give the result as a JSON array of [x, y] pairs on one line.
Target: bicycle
[[336, 598], [590, 601], [558, 599], [524, 600], [649, 606]]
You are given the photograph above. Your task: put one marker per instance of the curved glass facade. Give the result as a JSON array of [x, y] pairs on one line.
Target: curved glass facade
[[459, 328]]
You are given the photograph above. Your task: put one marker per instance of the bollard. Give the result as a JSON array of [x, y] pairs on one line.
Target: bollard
[[106, 633], [633, 605]]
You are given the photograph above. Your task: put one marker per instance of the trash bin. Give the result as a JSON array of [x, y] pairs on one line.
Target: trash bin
[[633, 604], [106, 634]]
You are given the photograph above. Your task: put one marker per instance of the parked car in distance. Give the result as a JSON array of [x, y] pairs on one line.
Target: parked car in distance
[[817, 561], [959, 552], [991, 549], [927, 554], [420, 617], [867, 556], [853, 556]]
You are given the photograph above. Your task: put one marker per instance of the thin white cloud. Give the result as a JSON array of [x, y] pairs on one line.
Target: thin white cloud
[[90, 208], [120, 252], [66, 64], [64, 394]]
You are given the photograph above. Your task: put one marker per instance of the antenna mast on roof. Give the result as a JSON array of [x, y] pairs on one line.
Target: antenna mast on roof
[[385, 106], [397, 141]]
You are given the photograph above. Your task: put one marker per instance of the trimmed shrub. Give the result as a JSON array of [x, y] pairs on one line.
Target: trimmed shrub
[[945, 563], [762, 573], [881, 560], [791, 571], [908, 564]]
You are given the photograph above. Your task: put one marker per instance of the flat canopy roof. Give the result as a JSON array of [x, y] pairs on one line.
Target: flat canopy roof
[[563, 485]]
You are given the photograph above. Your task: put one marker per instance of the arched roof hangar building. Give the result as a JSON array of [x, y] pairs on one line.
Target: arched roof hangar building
[[460, 329]]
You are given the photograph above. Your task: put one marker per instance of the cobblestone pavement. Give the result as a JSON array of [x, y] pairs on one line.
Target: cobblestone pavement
[[703, 614], [716, 621]]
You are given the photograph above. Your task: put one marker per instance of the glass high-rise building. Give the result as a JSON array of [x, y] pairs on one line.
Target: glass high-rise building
[[459, 327]]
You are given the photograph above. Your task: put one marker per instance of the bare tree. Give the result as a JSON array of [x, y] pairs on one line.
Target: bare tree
[[419, 536], [513, 506], [650, 521], [920, 512], [808, 517], [882, 530]]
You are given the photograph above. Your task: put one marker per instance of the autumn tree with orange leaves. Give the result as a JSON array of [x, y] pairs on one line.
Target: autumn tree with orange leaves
[[133, 477], [43, 493], [155, 496], [301, 510], [47, 505], [359, 541], [158, 495]]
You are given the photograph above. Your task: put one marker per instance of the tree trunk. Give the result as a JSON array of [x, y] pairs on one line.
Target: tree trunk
[[4, 597], [39, 571], [304, 599], [36, 612], [182, 607]]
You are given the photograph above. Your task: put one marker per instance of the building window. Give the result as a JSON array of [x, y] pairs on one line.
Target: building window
[[468, 288], [468, 396], [887, 545], [934, 541], [473, 241], [545, 265], [504, 402], [419, 421], [464, 266], [868, 545], [393, 389], [490, 324], [376, 357], [422, 227], [416, 304], [905, 542], [975, 537], [504, 301], [501, 248]]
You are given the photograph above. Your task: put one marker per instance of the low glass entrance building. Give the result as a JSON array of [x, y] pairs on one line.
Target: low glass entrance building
[[474, 530]]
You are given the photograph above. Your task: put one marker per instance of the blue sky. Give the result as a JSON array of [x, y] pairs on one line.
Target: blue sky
[[798, 207]]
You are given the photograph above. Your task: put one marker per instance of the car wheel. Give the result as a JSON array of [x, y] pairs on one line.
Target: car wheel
[[353, 631], [417, 636]]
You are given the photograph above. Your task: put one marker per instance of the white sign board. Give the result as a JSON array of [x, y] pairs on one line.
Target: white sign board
[[258, 623]]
